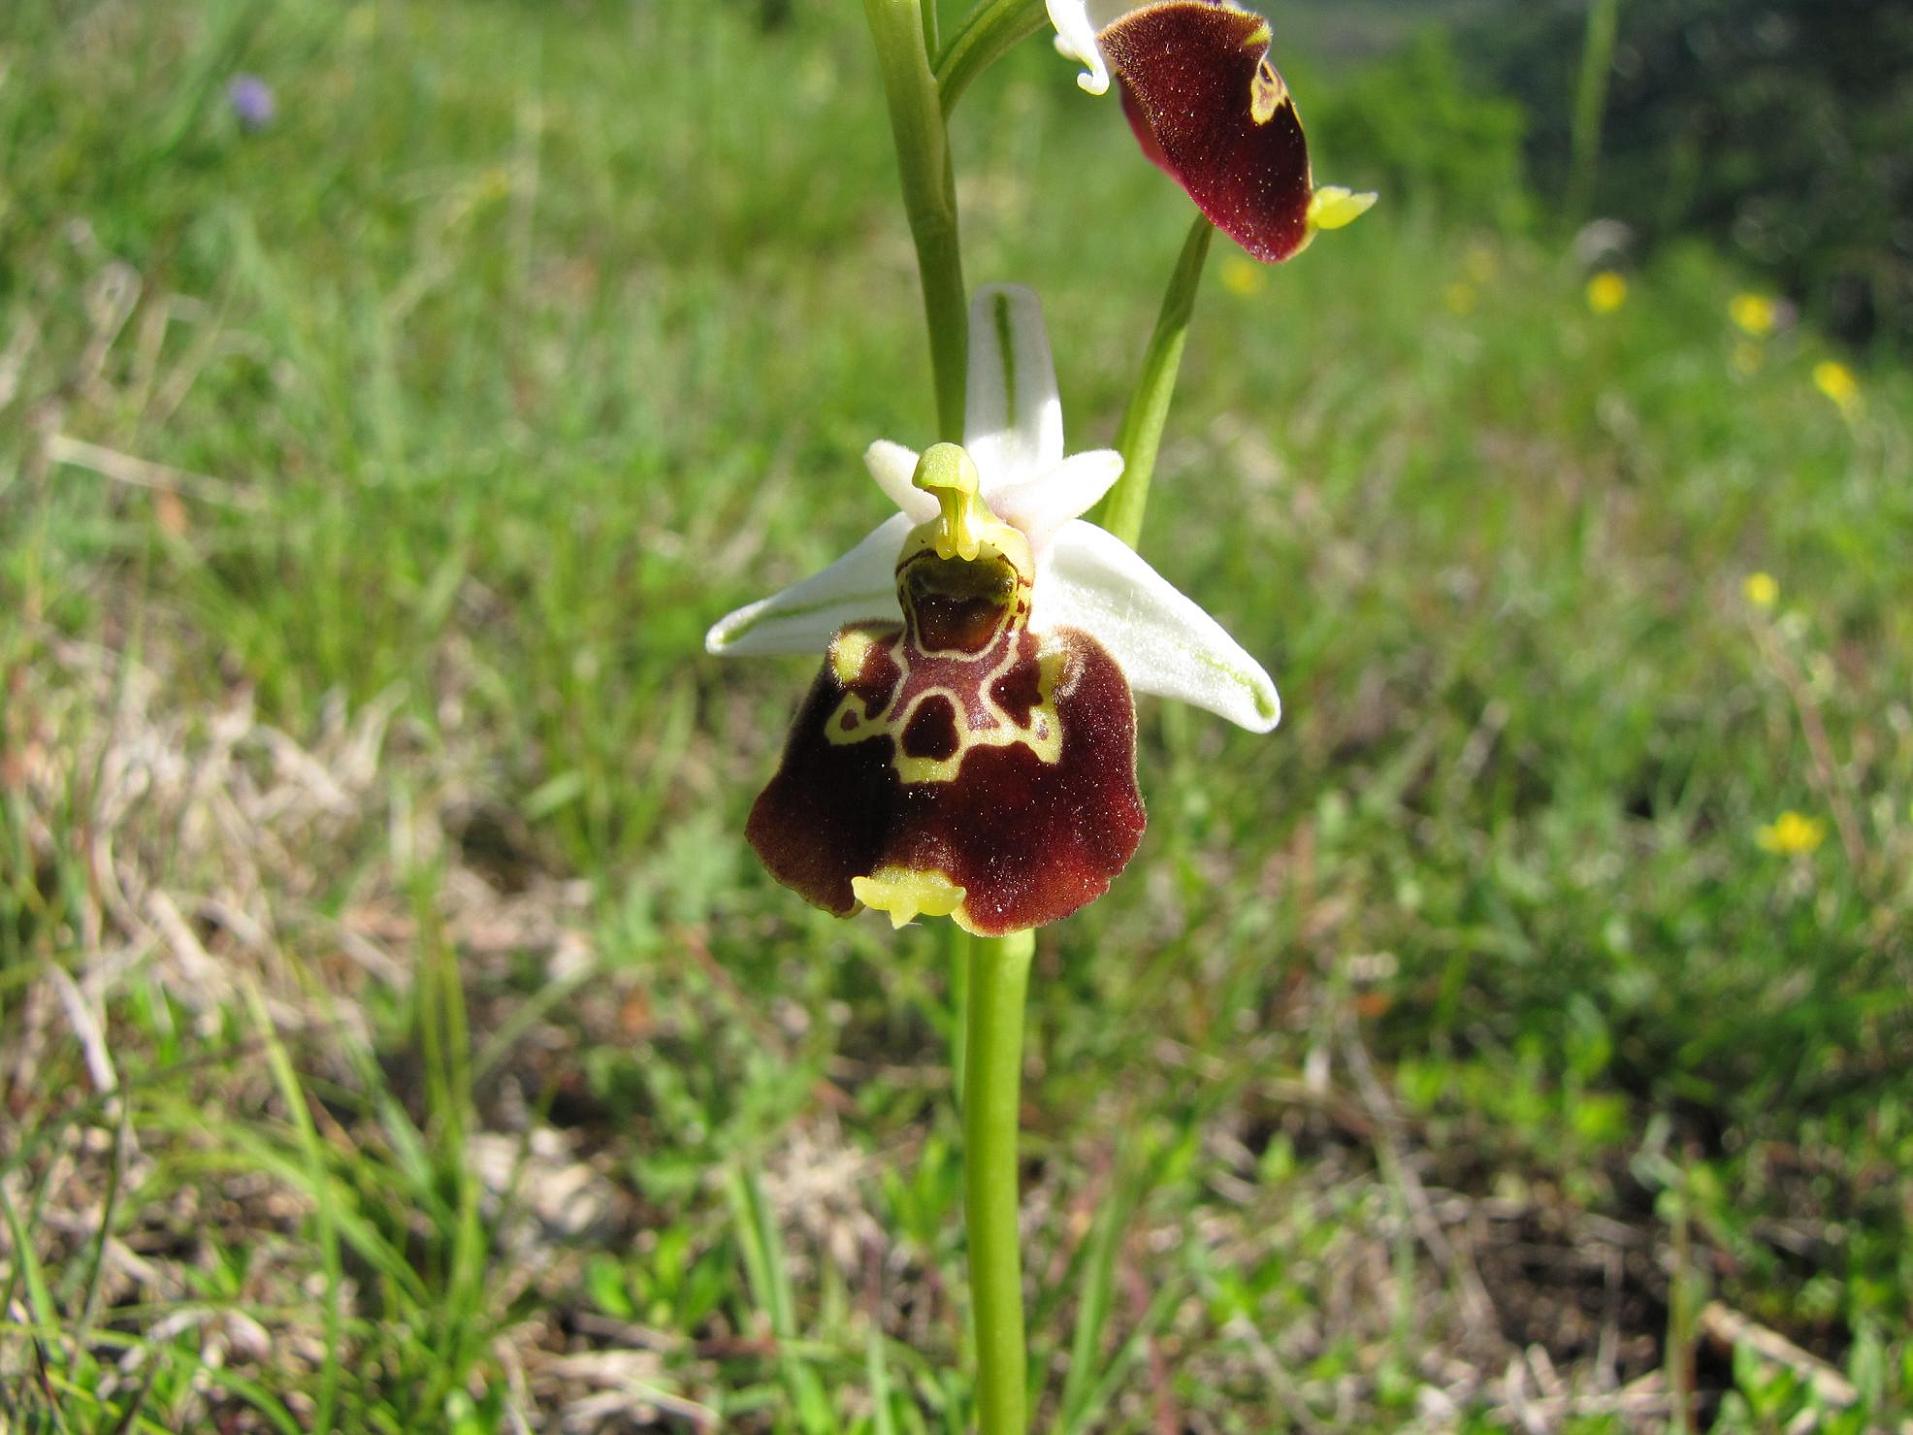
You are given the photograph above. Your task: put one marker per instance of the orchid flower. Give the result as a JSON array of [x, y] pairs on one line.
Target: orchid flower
[[969, 747], [1210, 110]]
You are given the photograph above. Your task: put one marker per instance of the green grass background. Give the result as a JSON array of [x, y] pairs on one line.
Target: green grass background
[[395, 1033]]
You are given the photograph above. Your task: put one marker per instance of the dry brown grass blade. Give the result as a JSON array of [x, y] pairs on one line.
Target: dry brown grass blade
[[134, 472]]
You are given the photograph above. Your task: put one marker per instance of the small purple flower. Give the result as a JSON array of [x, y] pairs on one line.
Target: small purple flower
[[252, 102]]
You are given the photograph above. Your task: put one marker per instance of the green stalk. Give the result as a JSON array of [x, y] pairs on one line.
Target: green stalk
[[957, 944], [999, 980], [929, 194], [988, 34], [1590, 103], [1141, 434]]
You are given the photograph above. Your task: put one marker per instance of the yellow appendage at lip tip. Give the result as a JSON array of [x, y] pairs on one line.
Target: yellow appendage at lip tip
[[903, 895], [1333, 207]]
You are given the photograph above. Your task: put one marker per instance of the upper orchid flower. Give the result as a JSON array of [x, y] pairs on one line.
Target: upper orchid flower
[[969, 747], [1210, 109]]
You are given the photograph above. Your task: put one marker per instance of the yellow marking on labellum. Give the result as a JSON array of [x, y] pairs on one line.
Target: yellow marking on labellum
[[1267, 93], [977, 719], [904, 895], [849, 651], [1260, 38]]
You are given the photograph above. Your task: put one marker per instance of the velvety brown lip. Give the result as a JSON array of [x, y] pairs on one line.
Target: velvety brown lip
[[1028, 839], [1210, 109]]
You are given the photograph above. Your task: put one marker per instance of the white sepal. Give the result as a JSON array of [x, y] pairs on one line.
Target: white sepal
[[861, 585], [1165, 643], [1076, 39], [1042, 504], [1013, 423], [895, 469]]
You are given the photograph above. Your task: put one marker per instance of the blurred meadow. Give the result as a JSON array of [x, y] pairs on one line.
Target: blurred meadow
[[396, 1033]]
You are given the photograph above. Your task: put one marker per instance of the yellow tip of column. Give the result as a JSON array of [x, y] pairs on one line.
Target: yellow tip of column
[[949, 473]]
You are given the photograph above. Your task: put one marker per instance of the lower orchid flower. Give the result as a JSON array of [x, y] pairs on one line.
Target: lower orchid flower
[[969, 747], [1210, 109]]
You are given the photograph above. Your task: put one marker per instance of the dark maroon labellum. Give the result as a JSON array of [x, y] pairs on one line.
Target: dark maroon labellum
[[1211, 111], [1014, 776]]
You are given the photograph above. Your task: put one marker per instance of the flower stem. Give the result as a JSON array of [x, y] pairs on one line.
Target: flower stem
[[956, 946], [929, 194], [999, 980], [1141, 433], [1590, 103]]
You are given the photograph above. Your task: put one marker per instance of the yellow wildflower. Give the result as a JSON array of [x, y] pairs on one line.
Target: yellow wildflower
[[1459, 297], [1607, 291], [1755, 314], [1836, 381], [1791, 834], [1239, 276], [1761, 590]]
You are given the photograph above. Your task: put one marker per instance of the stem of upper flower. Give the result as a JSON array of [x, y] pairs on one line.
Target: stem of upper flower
[[999, 982], [1141, 434], [929, 194], [988, 33]]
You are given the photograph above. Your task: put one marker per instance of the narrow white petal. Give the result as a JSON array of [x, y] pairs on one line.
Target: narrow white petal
[[806, 616], [894, 466], [1013, 426], [1166, 644], [1044, 503], [1076, 39]]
